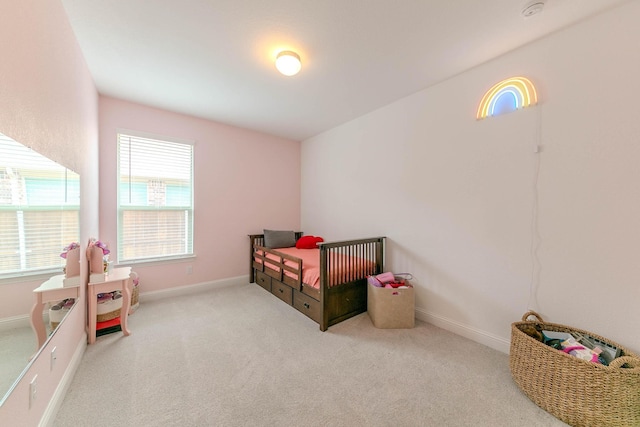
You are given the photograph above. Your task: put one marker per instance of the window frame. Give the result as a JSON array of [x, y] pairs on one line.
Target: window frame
[[120, 209], [33, 168]]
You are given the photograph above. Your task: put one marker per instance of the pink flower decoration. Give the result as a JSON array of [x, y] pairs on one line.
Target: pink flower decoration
[[66, 249], [105, 249]]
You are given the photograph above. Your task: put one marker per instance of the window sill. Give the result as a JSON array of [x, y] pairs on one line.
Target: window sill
[[40, 276], [157, 261]]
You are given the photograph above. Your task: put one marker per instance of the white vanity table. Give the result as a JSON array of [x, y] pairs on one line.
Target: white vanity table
[[56, 289], [117, 279]]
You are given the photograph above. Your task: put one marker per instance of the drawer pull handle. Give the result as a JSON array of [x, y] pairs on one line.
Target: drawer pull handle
[[306, 305], [281, 290]]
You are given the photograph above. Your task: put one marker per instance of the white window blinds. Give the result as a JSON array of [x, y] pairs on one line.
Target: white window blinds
[[155, 200], [39, 210]]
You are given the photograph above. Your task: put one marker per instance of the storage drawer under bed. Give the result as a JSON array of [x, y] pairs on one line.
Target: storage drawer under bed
[[282, 291], [263, 280], [307, 305]]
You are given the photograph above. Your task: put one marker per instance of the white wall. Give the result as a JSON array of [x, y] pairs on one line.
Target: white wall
[[489, 228], [48, 101]]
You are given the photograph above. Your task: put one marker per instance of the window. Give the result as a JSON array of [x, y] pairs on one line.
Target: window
[[155, 200], [39, 210]]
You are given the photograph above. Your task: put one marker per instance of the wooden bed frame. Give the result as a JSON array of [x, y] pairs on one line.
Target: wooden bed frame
[[333, 302]]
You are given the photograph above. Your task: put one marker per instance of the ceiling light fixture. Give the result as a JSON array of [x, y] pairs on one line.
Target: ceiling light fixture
[[288, 63]]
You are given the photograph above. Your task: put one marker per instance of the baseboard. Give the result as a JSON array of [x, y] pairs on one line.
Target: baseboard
[[22, 321], [15, 322], [477, 335], [192, 289], [50, 413]]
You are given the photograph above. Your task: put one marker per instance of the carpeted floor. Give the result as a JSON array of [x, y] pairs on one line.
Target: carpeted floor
[[17, 345], [238, 356]]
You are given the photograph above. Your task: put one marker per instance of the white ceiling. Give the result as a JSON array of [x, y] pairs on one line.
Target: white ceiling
[[214, 58]]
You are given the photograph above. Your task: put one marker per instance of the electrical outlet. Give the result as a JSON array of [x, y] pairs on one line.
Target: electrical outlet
[[54, 356], [189, 269], [33, 390]]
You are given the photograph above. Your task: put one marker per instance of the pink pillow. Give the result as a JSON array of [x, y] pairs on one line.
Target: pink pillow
[[308, 242]]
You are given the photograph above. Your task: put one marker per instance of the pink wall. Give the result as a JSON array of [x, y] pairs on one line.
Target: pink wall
[[231, 168], [47, 101], [16, 297]]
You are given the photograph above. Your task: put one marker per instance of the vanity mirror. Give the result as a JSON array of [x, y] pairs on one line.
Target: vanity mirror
[[39, 217]]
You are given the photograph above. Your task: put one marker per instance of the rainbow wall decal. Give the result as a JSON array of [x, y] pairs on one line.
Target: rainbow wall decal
[[509, 95]]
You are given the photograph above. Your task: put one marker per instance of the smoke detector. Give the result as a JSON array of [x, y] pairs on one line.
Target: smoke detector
[[532, 8]]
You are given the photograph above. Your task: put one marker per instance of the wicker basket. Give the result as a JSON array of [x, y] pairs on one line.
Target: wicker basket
[[135, 295], [576, 391], [135, 300], [108, 310], [58, 311]]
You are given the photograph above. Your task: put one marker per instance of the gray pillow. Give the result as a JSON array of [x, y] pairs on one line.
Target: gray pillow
[[279, 239]]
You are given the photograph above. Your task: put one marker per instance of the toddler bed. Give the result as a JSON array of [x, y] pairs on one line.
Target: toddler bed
[[328, 284]]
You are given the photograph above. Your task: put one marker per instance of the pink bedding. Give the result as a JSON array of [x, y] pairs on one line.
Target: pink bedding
[[343, 265]]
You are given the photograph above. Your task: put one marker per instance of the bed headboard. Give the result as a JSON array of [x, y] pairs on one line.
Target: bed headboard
[[362, 250]]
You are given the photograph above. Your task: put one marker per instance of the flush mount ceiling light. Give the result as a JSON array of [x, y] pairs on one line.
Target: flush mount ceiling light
[[288, 63]]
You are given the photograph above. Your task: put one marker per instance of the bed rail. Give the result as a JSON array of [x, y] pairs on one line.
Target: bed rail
[[258, 240], [282, 264]]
